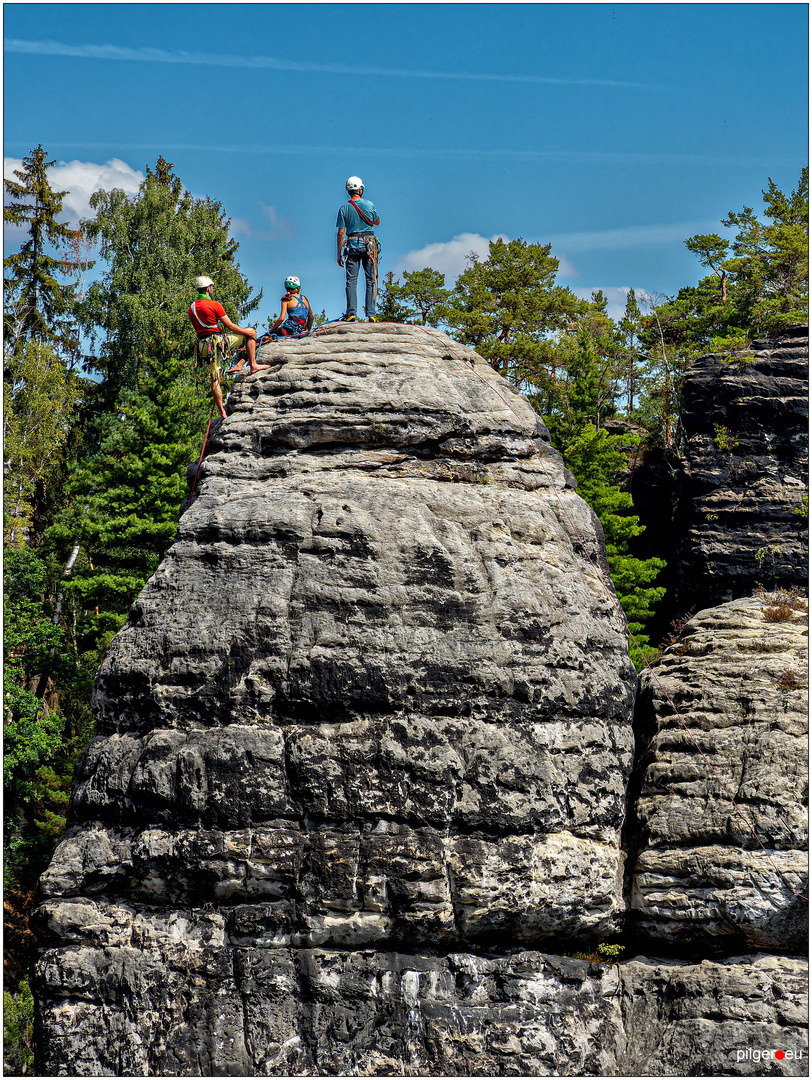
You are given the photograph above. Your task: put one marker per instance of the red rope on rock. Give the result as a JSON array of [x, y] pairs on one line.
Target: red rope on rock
[[202, 452]]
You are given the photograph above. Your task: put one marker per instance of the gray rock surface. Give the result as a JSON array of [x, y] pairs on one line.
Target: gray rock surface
[[740, 684], [364, 750], [744, 473], [374, 680], [742, 1016], [140, 993]]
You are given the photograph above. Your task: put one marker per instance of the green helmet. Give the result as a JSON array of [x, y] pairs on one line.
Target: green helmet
[[292, 282]]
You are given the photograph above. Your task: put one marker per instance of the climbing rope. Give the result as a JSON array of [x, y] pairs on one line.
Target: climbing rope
[[202, 452]]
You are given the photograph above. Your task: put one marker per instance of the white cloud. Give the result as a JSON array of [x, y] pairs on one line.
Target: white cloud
[[565, 267], [450, 258], [281, 227], [117, 54], [80, 179], [628, 237]]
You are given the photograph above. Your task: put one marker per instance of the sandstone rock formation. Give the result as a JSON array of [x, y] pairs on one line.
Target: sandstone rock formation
[[363, 760], [375, 694], [744, 473], [738, 678], [148, 996]]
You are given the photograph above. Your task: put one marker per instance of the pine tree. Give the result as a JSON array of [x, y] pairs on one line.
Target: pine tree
[[425, 293], [759, 281], [583, 387], [633, 363], [507, 306], [390, 306]]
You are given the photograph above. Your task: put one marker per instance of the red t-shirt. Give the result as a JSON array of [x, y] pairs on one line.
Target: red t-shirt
[[205, 315]]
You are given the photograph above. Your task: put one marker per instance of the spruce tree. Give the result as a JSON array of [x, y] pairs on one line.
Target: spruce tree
[[37, 307], [150, 416]]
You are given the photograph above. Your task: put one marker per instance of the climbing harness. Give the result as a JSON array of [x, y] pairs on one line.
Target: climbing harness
[[371, 245], [294, 325], [216, 353]]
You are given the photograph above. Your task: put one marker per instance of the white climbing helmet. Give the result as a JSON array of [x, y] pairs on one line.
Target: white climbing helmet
[[203, 282], [292, 282], [355, 183]]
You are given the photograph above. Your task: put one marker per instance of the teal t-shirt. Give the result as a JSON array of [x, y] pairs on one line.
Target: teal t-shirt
[[351, 221]]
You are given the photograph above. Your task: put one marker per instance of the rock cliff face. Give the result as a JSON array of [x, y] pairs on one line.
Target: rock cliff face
[[744, 473], [738, 679], [363, 761]]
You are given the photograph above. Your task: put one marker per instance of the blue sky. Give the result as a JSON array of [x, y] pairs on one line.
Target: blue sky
[[611, 131]]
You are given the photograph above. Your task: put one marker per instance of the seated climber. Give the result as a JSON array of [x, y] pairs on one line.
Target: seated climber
[[296, 315], [206, 316]]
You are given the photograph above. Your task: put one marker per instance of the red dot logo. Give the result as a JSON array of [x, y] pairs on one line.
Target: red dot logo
[[780, 1055]]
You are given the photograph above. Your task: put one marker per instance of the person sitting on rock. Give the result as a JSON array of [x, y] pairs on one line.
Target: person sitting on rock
[[295, 315], [206, 316], [356, 220]]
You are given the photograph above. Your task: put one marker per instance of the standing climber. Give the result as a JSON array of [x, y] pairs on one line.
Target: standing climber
[[356, 221], [206, 316], [295, 315]]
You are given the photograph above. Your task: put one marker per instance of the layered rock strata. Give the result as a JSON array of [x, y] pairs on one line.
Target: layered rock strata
[[140, 994], [376, 696], [364, 753], [744, 473], [726, 705]]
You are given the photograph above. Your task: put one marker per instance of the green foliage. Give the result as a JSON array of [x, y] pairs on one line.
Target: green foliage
[[597, 460], [631, 363], [154, 244], [44, 725], [582, 387], [723, 438], [760, 280], [604, 954], [802, 511], [390, 306], [125, 499], [40, 395], [37, 307], [18, 1028], [507, 306], [420, 299], [610, 952]]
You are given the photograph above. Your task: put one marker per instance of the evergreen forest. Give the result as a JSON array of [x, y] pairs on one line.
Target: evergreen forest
[[102, 417]]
